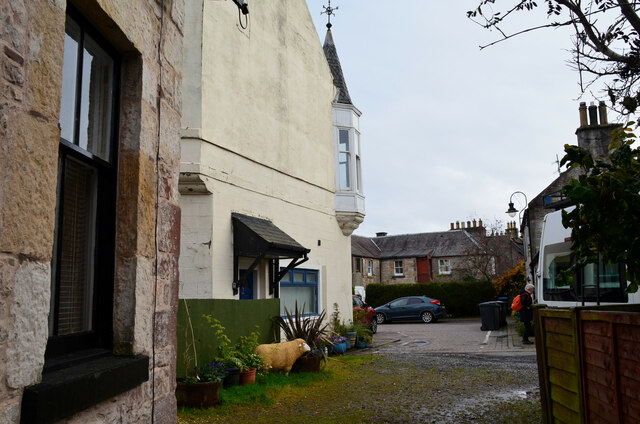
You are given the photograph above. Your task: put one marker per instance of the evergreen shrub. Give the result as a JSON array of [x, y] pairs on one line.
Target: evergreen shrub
[[459, 298]]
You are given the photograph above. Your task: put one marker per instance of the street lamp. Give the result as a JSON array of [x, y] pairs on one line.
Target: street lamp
[[512, 211]]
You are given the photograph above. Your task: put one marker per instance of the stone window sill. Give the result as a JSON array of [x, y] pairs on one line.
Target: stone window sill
[[65, 391]]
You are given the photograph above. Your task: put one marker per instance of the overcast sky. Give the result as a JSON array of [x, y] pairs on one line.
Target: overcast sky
[[449, 131]]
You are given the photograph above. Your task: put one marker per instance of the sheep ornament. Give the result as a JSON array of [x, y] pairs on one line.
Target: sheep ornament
[[281, 356]]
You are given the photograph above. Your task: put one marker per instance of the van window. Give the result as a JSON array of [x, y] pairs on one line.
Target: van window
[[556, 284], [595, 282], [611, 287]]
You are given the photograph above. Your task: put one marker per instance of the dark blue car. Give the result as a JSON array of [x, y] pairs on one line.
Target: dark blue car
[[411, 308]]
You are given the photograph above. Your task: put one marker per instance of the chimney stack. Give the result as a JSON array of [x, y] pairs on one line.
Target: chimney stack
[[593, 115], [583, 114], [602, 109], [595, 137]]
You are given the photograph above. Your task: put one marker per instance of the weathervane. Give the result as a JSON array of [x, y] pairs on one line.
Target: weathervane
[[329, 11]]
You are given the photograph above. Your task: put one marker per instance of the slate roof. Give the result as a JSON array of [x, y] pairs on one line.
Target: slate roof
[[364, 247], [269, 233], [439, 244], [331, 54]]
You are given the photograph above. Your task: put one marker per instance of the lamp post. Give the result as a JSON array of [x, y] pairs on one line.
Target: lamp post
[[512, 211]]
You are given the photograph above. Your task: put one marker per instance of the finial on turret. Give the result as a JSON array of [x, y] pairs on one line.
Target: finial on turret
[[329, 11]]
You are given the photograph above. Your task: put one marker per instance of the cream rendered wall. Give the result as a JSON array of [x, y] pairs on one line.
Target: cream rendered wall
[[265, 146]]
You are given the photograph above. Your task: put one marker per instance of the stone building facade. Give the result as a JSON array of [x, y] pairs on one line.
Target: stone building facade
[[465, 251], [90, 149]]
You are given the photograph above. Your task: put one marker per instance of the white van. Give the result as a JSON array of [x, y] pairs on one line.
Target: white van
[[595, 284]]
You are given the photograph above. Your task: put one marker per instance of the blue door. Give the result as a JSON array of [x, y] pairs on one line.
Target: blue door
[[246, 291]]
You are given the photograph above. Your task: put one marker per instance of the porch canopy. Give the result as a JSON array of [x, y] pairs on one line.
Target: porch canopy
[[260, 239]]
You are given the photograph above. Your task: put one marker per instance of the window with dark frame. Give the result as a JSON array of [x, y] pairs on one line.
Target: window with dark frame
[[299, 285], [83, 255]]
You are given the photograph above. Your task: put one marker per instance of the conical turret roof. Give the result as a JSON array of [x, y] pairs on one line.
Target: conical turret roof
[[331, 54]]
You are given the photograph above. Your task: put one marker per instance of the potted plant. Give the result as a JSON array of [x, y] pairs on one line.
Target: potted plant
[[250, 361], [227, 353], [312, 330], [202, 390], [363, 336], [339, 344]]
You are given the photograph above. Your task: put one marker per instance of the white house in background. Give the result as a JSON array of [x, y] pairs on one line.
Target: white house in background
[[258, 164]]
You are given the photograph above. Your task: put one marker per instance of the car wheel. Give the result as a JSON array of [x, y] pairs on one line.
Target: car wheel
[[374, 325], [380, 318], [427, 317]]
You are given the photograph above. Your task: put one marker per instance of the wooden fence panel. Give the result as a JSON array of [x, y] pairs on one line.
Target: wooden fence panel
[[611, 375]]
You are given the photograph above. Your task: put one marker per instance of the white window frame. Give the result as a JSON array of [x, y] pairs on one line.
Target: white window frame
[[444, 266], [396, 268], [369, 268], [349, 166], [358, 162]]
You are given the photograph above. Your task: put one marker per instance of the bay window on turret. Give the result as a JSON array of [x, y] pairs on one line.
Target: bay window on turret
[[349, 167]]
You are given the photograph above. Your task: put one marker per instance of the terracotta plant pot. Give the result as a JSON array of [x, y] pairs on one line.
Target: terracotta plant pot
[[198, 395], [247, 377]]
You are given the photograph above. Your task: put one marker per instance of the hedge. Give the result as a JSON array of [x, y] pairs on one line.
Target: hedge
[[460, 299]]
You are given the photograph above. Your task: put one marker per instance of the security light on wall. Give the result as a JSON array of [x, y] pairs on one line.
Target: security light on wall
[[242, 5]]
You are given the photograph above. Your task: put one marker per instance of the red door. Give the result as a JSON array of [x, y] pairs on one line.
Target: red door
[[423, 270]]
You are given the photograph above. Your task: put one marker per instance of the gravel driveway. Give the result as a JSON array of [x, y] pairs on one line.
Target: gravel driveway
[[493, 377]]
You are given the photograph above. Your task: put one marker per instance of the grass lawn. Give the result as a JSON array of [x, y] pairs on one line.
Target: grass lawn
[[371, 389]]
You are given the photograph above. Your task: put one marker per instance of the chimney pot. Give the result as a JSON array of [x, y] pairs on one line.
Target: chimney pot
[[593, 115], [452, 227], [602, 109], [474, 223], [457, 225], [480, 223], [583, 114], [468, 224]]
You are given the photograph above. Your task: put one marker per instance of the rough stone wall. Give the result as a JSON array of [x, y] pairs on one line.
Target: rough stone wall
[[410, 271], [29, 106], [145, 307]]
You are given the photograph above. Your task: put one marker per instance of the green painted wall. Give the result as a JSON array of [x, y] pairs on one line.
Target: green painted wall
[[239, 317]]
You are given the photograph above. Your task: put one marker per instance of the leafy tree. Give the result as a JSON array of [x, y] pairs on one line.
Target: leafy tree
[[606, 44], [511, 282], [606, 47], [606, 219]]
